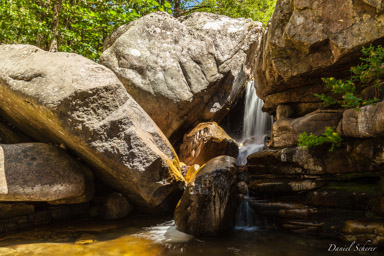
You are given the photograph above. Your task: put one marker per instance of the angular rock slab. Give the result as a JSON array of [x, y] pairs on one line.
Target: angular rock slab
[[354, 156], [40, 172], [366, 122], [66, 98], [206, 141], [307, 40], [208, 204], [184, 71]]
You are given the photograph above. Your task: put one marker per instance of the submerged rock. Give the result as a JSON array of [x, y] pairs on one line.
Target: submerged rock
[[67, 99], [206, 141], [42, 172], [307, 40], [369, 232], [183, 71], [208, 204]]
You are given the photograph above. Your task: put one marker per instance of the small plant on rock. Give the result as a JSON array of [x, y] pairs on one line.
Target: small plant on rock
[[369, 73], [328, 136]]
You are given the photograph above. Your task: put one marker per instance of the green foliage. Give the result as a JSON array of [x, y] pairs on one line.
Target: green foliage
[[329, 136], [371, 70], [82, 24], [258, 10], [369, 73]]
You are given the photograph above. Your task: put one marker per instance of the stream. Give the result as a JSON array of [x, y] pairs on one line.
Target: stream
[[144, 235]]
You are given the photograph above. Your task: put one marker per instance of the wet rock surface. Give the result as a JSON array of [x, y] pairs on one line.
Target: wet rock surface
[[206, 141], [315, 191], [208, 204]]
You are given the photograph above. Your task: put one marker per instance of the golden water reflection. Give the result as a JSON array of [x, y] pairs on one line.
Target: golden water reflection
[[123, 246], [84, 239]]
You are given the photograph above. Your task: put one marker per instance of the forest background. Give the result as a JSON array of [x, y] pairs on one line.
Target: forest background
[[81, 26]]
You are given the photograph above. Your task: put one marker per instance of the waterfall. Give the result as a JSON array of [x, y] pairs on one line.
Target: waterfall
[[256, 125], [245, 216]]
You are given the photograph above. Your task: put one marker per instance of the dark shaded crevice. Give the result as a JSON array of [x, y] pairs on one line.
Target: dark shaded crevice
[[26, 77]]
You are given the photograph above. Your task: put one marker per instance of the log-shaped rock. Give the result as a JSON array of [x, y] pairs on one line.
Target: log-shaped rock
[[208, 204], [42, 172]]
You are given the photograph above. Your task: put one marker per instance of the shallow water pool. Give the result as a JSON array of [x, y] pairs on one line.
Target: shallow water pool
[[142, 235]]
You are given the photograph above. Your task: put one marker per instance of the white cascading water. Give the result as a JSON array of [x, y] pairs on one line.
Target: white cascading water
[[256, 126]]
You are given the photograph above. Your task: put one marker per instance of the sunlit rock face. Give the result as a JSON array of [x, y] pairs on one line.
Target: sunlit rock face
[[208, 204], [67, 99], [307, 40], [206, 141], [183, 71]]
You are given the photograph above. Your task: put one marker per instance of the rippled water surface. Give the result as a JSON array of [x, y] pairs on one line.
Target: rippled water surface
[[147, 236]]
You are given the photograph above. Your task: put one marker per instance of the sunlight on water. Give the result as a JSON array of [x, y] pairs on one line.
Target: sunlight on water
[[165, 233], [125, 246]]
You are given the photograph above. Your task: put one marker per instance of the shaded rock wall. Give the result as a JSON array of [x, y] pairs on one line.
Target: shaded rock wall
[[319, 191], [339, 192], [307, 40]]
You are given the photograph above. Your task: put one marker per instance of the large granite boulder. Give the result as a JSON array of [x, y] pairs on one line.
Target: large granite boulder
[[286, 132], [208, 204], [42, 172], [206, 141], [183, 71], [307, 40], [368, 121], [67, 99]]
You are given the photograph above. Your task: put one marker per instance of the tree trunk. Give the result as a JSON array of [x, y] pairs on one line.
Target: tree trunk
[[55, 24], [177, 9]]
